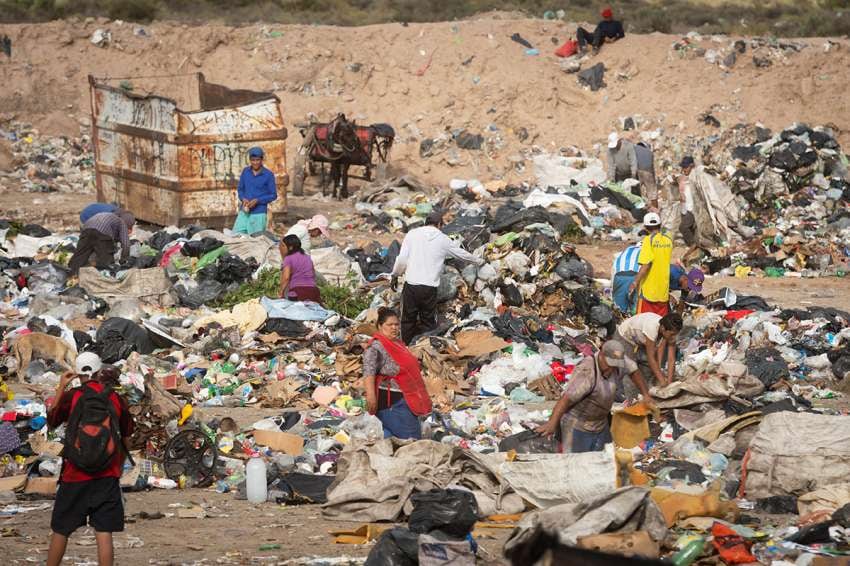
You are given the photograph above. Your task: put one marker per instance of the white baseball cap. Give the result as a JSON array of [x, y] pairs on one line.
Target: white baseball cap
[[88, 363], [613, 140], [652, 219]]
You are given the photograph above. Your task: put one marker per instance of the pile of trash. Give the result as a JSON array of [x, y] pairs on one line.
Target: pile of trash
[[743, 456], [35, 163], [726, 52]]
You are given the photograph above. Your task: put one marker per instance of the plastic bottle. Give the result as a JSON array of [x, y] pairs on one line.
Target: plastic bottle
[[689, 554], [256, 480]]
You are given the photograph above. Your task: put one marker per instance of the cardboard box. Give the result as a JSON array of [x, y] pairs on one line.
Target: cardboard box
[[44, 486], [291, 444], [13, 483]]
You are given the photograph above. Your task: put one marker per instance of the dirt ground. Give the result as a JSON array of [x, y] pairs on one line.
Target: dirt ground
[[232, 533]]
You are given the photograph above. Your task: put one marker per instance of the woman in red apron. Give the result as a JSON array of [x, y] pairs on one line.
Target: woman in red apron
[[395, 392]]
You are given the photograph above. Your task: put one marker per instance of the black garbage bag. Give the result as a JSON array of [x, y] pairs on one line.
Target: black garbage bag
[[205, 292], [233, 269], [511, 295], [594, 77], [118, 337], [514, 217], [396, 547], [300, 488], [601, 315], [161, 239], [841, 367], [146, 261], [84, 340], [573, 269], [842, 516], [473, 229], [510, 327], [197, 248], [35, 231], [466, 140], [450, 284], [284, 327], [767, 365], [451, 511], [778, 505], [379, 262], [528, 442]]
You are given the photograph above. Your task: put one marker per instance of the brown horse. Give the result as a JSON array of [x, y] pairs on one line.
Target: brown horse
[[341, 143]]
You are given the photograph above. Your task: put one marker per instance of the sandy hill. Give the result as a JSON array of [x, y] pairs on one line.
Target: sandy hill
[[428, 79]]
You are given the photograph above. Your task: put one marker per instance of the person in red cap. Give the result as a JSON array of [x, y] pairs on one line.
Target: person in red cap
[[607, 31]]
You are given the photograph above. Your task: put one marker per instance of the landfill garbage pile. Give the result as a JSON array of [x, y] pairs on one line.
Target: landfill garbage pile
[[795, 186], [512, 330], [726, 52], [35, 163]]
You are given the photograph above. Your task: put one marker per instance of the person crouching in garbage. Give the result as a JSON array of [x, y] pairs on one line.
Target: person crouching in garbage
[[395, 391], [582, 414]]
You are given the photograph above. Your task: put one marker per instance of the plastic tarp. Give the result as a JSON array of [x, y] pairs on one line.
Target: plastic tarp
[[626, 510], [335, 266], [260, 247], [795, 453], [557, 171], [151, 285], [374, 483], [27, 246], [546, 200], [295, 310], [545, 480]]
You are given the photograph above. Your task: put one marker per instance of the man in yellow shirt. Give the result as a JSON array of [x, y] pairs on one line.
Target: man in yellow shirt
[[653, 280]]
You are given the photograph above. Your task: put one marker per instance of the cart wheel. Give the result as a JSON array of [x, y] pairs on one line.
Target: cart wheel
[[191, 454], [298, 174]]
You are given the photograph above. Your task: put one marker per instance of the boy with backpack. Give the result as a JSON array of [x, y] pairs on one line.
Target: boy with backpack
[[98, 426]]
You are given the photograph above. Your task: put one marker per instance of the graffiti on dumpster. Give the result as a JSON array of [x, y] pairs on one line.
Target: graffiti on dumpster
[[221, 162]]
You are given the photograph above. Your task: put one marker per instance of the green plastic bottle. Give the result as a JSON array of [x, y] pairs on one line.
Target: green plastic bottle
[[690, 553]]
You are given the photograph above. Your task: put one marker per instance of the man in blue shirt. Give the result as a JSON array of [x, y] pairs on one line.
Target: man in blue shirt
[[97, 208], [256, 190], [607, 31], [690, 283], [623, 272]]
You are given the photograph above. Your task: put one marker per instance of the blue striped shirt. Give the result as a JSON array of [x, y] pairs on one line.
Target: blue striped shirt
[[112, 226], [626, 260]]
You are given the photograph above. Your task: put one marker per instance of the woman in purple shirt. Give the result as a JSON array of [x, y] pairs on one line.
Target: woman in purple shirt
[[297, 276]]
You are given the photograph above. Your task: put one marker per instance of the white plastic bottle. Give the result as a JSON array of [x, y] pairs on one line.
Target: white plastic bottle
[[256, 480]]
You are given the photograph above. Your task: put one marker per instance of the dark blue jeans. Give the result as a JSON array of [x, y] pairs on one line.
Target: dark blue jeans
[[399, 421], [590, 441]]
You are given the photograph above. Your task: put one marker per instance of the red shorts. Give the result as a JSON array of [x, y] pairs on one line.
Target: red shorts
[[660, 309], [305, 294]]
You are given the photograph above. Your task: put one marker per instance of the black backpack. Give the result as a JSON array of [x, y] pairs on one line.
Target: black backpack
[[92, 436]]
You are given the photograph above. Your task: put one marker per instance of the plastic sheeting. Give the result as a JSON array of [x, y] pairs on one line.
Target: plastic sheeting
[[295, 310], [625, 510], [795, 453], [150, 285], [556, 171]]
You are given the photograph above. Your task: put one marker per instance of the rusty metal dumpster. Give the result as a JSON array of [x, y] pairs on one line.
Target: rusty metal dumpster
[[171, 149]]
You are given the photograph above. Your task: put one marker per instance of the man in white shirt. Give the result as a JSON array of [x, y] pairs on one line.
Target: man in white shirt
[[421, 258]]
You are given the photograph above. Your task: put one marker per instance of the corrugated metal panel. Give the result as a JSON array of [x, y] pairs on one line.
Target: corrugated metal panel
[[170, 166]]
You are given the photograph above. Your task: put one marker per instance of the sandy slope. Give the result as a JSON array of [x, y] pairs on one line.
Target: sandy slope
[[371, 73]]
